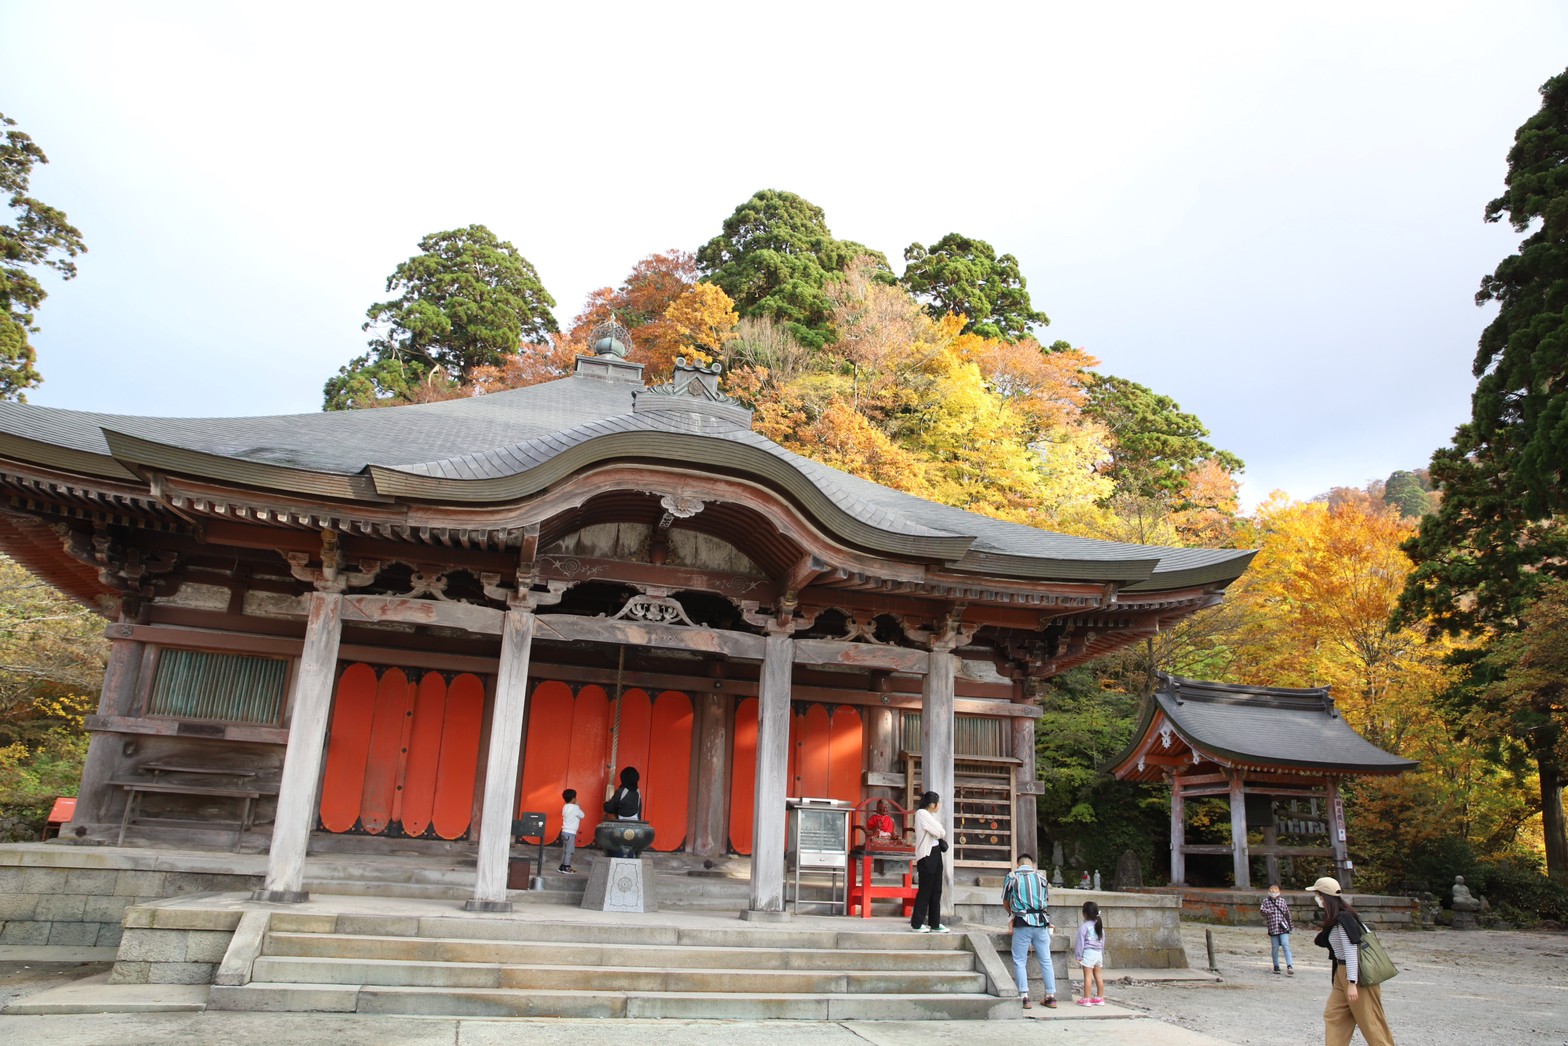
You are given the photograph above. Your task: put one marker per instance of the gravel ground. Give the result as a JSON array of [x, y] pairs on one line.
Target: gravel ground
[[1453, 988]]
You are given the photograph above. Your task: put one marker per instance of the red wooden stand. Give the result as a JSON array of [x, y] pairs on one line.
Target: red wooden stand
[[862, 891]]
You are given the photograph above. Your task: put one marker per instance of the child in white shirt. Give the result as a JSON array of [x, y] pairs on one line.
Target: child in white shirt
[[571, 817]]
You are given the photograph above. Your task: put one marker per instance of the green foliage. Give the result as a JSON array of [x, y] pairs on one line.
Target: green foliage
[[1156, 443], [774, 258], [40, 237], [964, 276], [1521, 400], [468, 300], [52, 655], [1094, 817], [1519, 892], [1406, 490]]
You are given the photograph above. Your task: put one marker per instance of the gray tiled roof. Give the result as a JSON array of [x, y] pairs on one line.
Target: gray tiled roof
[[495, 442], [1270, 725]]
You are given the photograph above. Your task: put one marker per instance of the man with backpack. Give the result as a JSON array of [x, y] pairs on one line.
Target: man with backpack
[[1025, 895]]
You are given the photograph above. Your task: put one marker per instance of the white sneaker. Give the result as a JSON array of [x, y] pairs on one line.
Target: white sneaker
[[942, 929], [920, 929]]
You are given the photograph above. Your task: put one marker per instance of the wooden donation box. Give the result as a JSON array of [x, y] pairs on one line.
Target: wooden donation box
[[818, 840]]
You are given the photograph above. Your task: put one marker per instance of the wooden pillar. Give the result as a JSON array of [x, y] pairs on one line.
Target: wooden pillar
[[504, 750], [298, 793], [1238, 831], [1271, 840], [936, 750], [710, 824], [767, 833], [1335, 815], [105, 750], [1178, 832], [882, 725], [1026, 827]]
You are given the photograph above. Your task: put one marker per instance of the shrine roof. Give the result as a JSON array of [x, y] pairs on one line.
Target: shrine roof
[[1272, 728], [507, 445]]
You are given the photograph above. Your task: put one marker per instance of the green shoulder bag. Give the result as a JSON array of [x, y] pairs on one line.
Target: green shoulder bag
[[1375, 966]]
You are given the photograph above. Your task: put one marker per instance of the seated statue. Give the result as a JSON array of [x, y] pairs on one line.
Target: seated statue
[[1464, 900]]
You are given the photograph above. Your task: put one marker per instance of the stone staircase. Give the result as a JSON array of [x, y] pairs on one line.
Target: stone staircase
[[465, 966]]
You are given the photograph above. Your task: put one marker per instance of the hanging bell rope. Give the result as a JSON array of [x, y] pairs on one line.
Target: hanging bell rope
[[615, 724]]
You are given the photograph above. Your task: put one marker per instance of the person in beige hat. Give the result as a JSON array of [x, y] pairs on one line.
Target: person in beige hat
[[1350, 1006]]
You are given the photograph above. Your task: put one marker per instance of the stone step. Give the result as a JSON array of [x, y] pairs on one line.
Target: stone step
[[574, 953], [489, 928], [502, 1002], [686, 979]]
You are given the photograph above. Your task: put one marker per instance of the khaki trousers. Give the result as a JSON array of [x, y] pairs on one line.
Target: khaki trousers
[[1342, 1017]]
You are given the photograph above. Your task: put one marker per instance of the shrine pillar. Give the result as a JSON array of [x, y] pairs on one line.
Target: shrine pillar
[[104, 751], [936, 748], [298, 792], [713, 773], [505, 748], [1026, 828], [1178, 831], [1240, 859], [767, 833], [1335, 815]]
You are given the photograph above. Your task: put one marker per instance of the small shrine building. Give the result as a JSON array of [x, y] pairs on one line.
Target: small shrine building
[[1277, 755], [406, 625]]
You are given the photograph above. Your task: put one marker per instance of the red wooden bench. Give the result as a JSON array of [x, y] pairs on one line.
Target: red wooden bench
[[59, 815]]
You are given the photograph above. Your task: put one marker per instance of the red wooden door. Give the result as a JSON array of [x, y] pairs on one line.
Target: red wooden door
[[587, 769], [348, 748], [846, 754], [383, 762], [668, 775], [459, 758], [743, 776], [547, 755], [424, 755]]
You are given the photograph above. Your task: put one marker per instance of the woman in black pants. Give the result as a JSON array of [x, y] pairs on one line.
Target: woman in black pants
[[930, 844]]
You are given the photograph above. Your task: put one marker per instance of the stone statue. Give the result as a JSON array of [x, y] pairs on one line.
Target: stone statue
[[1129, 872], [1465, 905]]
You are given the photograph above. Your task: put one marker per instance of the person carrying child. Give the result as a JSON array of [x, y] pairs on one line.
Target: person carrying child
[[1089, 950], [571, 818], [1026, 897], [1276, 918]]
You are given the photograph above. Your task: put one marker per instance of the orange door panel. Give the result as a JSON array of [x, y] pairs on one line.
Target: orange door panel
[[386, 744], [845, 755], [743, 776], [811, 754], [348, 748], [459, 762], [632, 748], [424, 755], [585, 771], [547, 754], [668, 776]]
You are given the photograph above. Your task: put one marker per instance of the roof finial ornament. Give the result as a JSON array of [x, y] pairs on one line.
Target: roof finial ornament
[[610, 338]]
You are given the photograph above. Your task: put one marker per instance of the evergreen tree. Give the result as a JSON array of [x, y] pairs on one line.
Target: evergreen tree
[[468, 300], [963, 276], [41, 237]]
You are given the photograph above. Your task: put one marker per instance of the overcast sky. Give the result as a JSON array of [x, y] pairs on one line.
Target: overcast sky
[[1273, 216]]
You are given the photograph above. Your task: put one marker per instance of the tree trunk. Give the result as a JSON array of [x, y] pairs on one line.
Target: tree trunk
[[1552, 823]]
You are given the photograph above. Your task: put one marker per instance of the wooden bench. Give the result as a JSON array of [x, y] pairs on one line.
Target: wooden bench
[[244, 790]]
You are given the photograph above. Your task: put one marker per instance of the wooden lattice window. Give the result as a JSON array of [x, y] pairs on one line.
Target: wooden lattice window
[[229, 688]]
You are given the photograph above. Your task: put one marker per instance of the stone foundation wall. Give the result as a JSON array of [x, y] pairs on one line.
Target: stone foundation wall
[[171, 946], [1240, 907], [1142, 932], [77, 897]]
